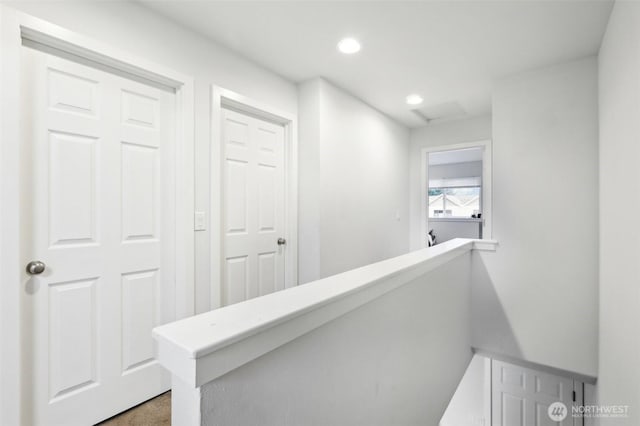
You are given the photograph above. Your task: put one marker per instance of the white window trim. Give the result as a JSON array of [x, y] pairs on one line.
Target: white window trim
[[223, 98], [15, 28], [487, 231]]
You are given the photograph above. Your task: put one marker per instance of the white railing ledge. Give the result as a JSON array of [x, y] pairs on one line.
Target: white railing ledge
[[206, 346], [485, 245]]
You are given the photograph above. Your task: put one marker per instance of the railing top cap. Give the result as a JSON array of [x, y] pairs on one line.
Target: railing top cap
[[203, 334]]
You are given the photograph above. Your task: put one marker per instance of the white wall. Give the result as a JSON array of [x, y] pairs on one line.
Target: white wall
[[454, 132], [309, 110], [471, 403], [394, 361], [535, 298], [134, 29], [353, 183], [619, 67]]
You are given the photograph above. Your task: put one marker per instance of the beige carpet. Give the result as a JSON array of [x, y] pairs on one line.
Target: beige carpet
[[155, 412]]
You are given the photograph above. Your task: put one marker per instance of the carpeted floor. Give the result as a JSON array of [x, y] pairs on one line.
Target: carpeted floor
[[155, 412]]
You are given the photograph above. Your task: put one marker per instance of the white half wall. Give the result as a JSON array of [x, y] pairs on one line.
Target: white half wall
[[394, 361], [536, 297], [471, 403], [139, 31], [448, 133], [353, 197], [619, 78]]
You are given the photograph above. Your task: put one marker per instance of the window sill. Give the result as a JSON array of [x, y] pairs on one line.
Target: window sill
[[455, 219]]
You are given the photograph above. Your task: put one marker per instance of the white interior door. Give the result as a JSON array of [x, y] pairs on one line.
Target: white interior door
[[253, 207], [98, 209], [522, 396]]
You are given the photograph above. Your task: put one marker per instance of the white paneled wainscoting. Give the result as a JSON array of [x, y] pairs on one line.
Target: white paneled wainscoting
[[386, 343]]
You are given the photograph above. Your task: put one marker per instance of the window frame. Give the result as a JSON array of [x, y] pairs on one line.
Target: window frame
[[487, 216]]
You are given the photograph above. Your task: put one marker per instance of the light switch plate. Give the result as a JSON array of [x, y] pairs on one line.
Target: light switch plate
[[199, 222]]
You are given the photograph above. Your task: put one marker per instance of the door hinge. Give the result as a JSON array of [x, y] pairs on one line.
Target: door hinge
[[574, 396]]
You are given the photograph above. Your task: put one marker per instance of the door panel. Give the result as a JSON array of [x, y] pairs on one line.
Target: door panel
[[72, 188], [72, 93], [522, 396], [98, 167], [513, 410], [139, 316], [267, 272], [139, 192], [236, 201], [73, 339], [236, 272], [253, 197]]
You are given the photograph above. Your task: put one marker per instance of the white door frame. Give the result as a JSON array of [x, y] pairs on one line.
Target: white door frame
[[17, 28], [487, 231], [223, 98]]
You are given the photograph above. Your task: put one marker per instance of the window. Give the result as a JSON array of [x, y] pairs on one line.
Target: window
[[456, 198], [455, 186]]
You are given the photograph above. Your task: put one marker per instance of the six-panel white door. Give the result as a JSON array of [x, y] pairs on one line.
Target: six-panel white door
[[98, 183], [253, 207], [522, 396]]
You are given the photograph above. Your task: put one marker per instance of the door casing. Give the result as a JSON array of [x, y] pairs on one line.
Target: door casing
[[16, 29], [223, 98]]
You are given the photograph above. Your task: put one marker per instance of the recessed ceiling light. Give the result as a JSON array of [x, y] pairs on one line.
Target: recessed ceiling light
[[349, 45], [414, 99]]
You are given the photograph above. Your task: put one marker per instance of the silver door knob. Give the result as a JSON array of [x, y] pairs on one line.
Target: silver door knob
[[282, 241], [35, 267]]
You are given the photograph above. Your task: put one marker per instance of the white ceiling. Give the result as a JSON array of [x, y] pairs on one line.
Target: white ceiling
[[448, 51]]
